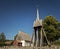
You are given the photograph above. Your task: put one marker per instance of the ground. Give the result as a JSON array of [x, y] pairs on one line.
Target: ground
[[45, 47]]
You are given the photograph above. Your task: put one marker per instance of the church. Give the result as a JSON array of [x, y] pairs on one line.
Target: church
[[22, 39]]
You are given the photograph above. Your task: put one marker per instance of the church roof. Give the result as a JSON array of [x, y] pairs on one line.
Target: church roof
[[23, 36], [37, 22]]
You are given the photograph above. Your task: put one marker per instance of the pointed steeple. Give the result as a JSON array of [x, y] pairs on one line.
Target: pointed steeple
[[37, 22], [37, 14]]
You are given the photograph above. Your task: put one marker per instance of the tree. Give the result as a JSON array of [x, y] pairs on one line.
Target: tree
[[51, 27], [2, 37], [15, 37]]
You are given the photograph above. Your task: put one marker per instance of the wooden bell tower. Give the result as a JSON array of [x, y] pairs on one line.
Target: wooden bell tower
[[37, 37]]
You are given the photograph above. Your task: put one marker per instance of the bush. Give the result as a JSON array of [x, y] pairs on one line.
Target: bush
[[56, 42], [2, 44]]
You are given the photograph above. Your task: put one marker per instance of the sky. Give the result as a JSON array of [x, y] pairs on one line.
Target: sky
[[16, 15]]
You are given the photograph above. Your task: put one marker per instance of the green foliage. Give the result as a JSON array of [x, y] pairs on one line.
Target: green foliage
[[56, 42], [52, 28], [15, 37], [2, 44], [2, 37]]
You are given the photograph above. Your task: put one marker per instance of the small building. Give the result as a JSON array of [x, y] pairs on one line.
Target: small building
[[22, 39]]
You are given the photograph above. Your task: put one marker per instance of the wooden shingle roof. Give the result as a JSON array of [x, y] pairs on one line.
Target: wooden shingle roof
[[23, 36]]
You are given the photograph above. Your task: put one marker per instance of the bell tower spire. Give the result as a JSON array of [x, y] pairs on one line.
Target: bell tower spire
[[37, 14]]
